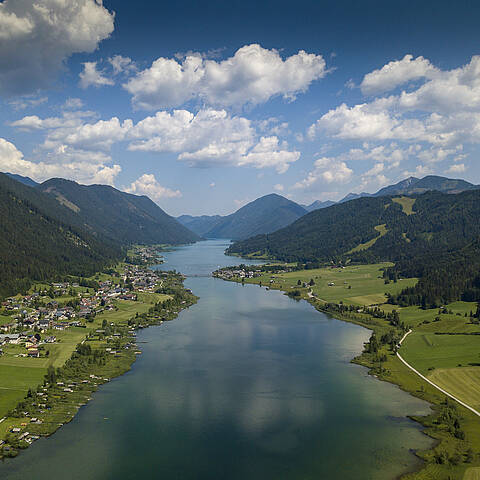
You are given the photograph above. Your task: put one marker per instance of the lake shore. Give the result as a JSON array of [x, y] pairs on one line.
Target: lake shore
[[384, 365], [107, 350]]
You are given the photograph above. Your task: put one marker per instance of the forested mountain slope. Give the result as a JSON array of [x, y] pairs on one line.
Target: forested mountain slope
[[40, 240], [25, 180], [119, 216], [263, 215], [434, 236]]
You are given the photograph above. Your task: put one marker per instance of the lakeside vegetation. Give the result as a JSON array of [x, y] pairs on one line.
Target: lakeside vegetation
[[40, 393], [444, 346]]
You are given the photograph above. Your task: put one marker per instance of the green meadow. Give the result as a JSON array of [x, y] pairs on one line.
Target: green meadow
[[355, 285]]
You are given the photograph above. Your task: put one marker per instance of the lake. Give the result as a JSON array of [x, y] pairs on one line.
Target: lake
[[246, 384]]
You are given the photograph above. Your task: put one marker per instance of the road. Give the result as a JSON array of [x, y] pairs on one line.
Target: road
[[430, 382]]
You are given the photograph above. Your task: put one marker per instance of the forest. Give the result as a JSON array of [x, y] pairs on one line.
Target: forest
[[41, 239]]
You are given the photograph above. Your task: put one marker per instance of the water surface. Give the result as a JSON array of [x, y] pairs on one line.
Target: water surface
[[246, 384]]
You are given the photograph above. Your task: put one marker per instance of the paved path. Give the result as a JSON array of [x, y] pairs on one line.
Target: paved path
[[476, 412]]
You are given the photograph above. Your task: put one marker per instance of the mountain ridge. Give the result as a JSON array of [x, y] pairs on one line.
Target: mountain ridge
[[116, 215], [40, 239]]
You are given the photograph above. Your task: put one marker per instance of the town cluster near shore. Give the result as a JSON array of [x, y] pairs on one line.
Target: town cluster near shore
[[63, 339], [34, 315]]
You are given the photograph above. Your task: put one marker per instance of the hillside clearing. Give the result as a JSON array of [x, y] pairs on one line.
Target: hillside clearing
[[381, 229], [406, 203]]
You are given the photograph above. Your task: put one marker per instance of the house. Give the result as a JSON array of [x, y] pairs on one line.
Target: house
[[9, 338]]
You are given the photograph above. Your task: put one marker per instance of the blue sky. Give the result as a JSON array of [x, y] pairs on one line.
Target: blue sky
[[205, 106]]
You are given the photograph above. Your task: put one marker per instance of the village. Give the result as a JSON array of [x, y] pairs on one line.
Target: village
[[82, 333], [33, 320]]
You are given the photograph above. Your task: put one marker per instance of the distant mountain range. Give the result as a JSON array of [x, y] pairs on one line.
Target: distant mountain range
[[409, 186], [25, 180], [264, 215], [272, 212], [317, 204], [61, 227], [200, 225]]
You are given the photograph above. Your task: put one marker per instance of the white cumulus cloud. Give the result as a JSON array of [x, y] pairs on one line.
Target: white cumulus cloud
[[36, 37], [252, 75], [207, 138], [210, 137], [148, 185], [443, 110], [90, 76], [326, 170], [13, 161], [456, 168], [121, 64], [397, 73]]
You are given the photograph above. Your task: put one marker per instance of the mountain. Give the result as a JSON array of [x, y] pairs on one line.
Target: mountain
[[118, 216], [434, 236], [318, 204], [399, 188], [354, 196], [409, 186], [201, 224], [415, 186], [25, 180], [264, 215], [40, 240]]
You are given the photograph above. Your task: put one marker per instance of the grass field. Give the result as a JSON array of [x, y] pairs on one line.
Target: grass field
[[463, 382], [4, 319], [355, 285], [472, 473], [15, 380], [427, 351]]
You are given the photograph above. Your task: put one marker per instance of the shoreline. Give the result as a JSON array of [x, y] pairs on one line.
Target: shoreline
[[406, 381], [50, 405]]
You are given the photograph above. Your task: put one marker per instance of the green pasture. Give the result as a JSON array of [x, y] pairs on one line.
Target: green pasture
[[472, 473], [355, 285], [381, 229], [427, 351], [462, 382], [15, 380]]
